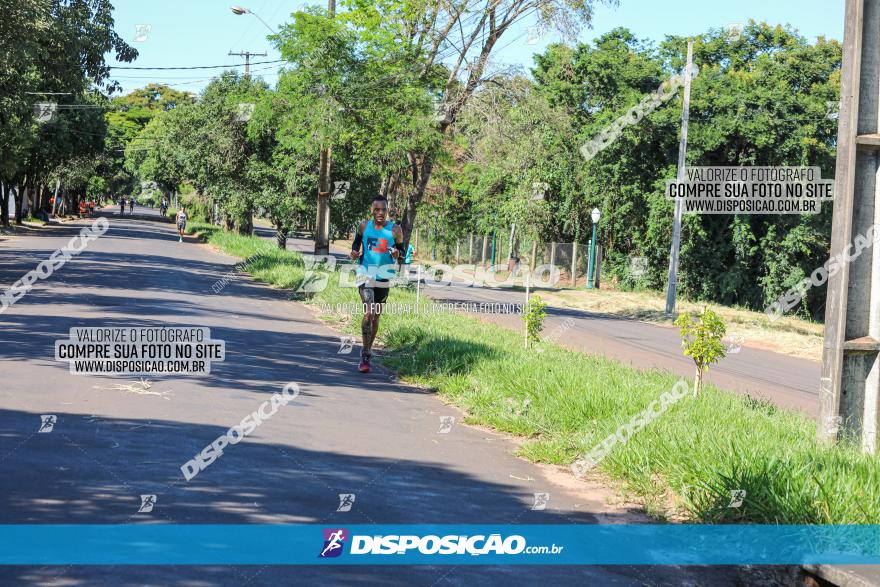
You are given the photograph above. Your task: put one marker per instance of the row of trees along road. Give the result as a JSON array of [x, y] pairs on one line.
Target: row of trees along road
[[464, 140], [54, 51], [408, 96]]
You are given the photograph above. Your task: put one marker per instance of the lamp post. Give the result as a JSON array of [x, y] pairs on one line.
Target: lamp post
[[239, 10], [591, 271]]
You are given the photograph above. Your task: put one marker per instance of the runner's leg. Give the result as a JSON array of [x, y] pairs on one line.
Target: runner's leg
[[380, 294], [368, 330]]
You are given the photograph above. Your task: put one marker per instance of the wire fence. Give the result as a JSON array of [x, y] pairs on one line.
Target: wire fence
[[514, 254]]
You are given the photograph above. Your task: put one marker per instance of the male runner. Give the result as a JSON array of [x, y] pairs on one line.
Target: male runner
[[181, 222], [375, 235]]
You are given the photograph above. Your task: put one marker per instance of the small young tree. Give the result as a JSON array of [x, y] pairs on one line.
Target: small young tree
[[534, 315], [701, 336]]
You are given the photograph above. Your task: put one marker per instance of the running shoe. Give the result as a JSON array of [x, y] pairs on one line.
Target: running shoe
[[364, 366]]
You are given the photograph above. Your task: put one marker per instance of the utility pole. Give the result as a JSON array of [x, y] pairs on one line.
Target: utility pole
[[247, 59], [672, 284], [849, 389], [322, 223]]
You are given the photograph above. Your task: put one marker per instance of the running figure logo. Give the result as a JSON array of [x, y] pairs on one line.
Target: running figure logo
[[47, 423], [147, 503], [541, 500], [334, 541], [446, 423], [346, 500], [737, 496], [346, 344]]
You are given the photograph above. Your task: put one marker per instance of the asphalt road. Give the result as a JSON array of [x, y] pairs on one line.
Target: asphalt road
[[786, 381], [346, 432]]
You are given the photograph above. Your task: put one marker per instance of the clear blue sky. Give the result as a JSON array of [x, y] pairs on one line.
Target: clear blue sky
[[202, 32]]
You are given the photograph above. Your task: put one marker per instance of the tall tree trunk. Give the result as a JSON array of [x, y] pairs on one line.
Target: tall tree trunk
[[18, 202], [30, 197], [246, 224], [281, 236], [4, 204], [41, 202], [55, 198], [421, 174]]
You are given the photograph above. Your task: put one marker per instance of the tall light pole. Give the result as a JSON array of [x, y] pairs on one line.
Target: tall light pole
[[672, 283], [595, 216], [322, 222], [239, 10]]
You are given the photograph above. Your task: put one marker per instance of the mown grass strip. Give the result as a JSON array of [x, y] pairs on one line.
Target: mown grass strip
[[564, 403]]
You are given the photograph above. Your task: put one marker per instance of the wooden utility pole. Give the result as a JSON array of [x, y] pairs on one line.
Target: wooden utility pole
[[247, 59], [322, 222], [672, 282], [849, 390]]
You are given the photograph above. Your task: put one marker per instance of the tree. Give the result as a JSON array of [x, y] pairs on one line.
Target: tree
[[701, 336], [443, 50], [49, 46]]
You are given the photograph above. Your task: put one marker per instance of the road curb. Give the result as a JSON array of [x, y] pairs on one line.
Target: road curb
[[846, 576]]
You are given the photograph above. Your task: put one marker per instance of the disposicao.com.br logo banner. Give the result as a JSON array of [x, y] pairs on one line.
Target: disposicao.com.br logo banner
[[550, 544]]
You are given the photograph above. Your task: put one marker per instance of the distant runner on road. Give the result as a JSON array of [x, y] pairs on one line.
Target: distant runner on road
[[131, 206], [375, 236], [181, 221], [122, 206]]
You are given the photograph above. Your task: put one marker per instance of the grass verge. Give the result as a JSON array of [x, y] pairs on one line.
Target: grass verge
[[563, 403]]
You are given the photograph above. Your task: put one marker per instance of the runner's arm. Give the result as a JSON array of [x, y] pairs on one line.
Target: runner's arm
[[397, 251], [358, 241]]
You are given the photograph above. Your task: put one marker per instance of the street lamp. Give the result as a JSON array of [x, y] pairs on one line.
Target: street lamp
[[595, 216], [239, 10]]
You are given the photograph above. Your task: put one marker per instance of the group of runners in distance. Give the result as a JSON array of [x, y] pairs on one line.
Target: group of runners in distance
[[179, 220], [123, 202], [378, 243]]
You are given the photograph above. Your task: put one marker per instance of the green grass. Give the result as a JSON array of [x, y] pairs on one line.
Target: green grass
[[564, 403]]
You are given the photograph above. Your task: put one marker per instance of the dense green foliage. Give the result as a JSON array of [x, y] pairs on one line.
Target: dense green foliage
[[758, 100], [53, 51], [405, 96]]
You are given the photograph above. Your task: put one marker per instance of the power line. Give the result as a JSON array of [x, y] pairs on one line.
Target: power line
[[200, 66]]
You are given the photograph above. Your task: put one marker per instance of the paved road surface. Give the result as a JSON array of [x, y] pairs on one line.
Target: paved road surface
[[346, 433]]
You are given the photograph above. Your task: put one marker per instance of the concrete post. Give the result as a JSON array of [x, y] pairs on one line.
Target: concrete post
[[848, 390], [534, 255]]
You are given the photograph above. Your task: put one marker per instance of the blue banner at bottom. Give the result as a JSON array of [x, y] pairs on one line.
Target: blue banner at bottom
[[202, 544]]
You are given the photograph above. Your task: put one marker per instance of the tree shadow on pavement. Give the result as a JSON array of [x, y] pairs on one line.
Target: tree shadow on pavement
[[91, 470]]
